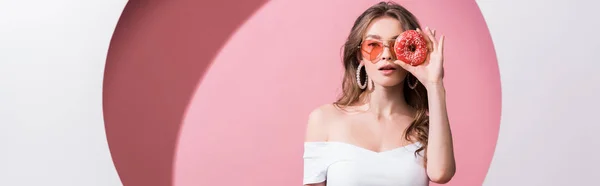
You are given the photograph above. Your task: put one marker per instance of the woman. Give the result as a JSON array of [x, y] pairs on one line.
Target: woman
[[390, 126]]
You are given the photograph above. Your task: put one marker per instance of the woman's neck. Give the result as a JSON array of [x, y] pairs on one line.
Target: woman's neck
[[387, 101]]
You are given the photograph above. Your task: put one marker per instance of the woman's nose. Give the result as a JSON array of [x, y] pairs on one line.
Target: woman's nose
[[386, 53]]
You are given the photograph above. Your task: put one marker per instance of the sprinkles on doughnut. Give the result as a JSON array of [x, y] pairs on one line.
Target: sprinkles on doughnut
[[411, 48]]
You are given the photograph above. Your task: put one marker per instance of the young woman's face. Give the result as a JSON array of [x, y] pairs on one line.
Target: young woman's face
[[377, 52]]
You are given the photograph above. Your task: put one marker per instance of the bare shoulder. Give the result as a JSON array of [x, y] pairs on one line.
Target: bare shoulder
[[320, 121]]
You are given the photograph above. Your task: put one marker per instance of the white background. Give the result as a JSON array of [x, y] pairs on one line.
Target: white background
[[52, 55], [548, 59]]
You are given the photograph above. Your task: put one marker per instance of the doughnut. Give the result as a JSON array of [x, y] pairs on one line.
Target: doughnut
[[411, 48]]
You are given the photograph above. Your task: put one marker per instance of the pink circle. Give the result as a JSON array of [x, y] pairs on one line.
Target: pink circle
[[157, 56], [245, 123]]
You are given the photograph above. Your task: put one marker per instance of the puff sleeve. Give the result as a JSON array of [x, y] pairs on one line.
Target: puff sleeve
[[317, 158]]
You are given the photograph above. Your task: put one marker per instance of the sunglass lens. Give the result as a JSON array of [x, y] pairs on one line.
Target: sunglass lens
[[373, 48]]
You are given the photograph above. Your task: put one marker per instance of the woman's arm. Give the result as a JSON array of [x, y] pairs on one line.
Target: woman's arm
[[440, 154]]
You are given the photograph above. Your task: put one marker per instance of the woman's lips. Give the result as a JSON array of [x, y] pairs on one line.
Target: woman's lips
[[387, 69]]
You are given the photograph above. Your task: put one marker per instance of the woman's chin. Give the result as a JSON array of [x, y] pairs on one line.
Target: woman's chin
[[389, 83]]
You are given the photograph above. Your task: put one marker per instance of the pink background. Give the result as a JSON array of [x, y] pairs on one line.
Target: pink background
[[190, 100]]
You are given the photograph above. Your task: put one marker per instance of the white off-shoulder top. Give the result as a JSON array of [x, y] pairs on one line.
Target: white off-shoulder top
[[343, 164]]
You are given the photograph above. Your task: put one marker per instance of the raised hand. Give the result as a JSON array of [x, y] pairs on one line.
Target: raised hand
[[431, 72]]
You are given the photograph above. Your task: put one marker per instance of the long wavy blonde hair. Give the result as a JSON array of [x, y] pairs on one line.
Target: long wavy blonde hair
[[351, 93]]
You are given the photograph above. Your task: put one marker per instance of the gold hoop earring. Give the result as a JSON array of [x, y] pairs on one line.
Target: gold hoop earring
[[360, 84], [413, 85]]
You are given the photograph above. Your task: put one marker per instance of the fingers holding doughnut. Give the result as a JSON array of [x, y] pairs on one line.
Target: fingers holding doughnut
[[431, 37], [430, 31], [441, 44], [430, 43], [427, 40]]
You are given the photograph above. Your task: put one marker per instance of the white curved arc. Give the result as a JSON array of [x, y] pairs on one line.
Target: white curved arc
[[548, 67], [52, 59]]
